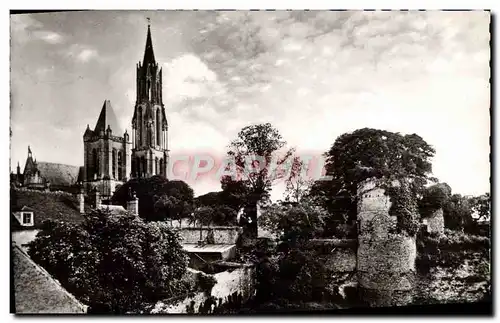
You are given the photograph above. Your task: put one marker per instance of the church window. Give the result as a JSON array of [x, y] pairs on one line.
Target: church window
[[140, 127], [94, 162], [120, 166], [113, 163], [158, 127], [161, 167], [156, 166], [143, 166]]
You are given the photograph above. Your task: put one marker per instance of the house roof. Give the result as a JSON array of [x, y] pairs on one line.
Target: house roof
[[47, 205], [36, 292], [58, 174], [108, 118]]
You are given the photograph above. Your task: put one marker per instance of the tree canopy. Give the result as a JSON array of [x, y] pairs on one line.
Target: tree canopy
[[252, 152], [159, 198], [370, 153], [113, 263]]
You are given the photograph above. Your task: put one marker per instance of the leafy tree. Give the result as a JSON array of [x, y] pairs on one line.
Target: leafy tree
[[294, 224], [369, 153], [457, 213], [434, 197], [481, 205], [159, 198], [297, 185], [252, 152], [115, 264], [294, 273]]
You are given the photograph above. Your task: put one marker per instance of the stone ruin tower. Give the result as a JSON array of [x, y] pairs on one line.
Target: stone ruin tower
[[386, 259]]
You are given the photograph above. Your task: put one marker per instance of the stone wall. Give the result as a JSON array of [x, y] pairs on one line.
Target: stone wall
[[222, 235], [234, 286], [339, 257], [468, 282], [435, 222]]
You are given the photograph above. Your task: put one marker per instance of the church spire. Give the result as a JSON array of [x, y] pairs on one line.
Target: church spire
[[149, 55]]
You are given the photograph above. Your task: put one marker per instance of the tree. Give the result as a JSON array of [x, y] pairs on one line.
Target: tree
[[370, 153], [457, 213], [115, 264], [295, 273], [433, 198], [297, 185], [252, 152], [159, 198], [481, 205], [294, 224]]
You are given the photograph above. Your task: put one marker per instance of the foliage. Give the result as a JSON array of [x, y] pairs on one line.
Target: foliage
[[403, 207], [297, 184], [433, 198], [221, 213], [159, 198], [448, 250], [481, 205], [294, 224], [369, 153], [251, 179], [292, 273], [457, 213], [112, 263]]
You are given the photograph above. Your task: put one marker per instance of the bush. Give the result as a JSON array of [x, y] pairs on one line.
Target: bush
[[448, 250], [113, 263]]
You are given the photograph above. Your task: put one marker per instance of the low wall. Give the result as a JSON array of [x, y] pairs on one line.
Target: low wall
[[467, 283], [234, 286], [339, 258], [222, 235]]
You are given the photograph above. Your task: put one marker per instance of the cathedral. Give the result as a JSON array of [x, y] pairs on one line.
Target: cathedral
[[113, 156]]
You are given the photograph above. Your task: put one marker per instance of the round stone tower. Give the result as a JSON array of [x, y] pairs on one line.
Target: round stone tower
[[386, 259]]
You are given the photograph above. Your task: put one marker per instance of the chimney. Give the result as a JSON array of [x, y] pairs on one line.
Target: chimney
[[133, 205], [81, 200]]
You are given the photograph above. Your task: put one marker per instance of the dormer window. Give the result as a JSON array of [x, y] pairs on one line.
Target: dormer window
[[27, 218]]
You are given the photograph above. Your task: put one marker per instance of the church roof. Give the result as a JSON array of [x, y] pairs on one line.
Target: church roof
[[108, 118], [36, 291], [58, 174], [149, 55]]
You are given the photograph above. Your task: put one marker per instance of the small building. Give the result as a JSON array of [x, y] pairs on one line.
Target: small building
[[36, 291]]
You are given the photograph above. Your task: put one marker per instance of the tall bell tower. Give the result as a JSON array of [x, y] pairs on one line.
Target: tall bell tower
[[149, 123]]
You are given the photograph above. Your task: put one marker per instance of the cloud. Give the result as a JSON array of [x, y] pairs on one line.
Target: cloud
[[81, 53], [49, 36]]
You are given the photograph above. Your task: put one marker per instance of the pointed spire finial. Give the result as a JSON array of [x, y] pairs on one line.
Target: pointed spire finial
[[149, 21]]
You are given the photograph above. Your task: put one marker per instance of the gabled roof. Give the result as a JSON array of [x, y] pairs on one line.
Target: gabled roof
[[58, 174], [108, 118], [35, 291], [56, 206]]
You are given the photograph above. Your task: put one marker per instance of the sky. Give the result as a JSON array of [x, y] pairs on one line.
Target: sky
[[314, 75]]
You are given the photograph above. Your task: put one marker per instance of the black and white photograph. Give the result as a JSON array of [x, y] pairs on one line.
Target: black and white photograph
[[242, 162]]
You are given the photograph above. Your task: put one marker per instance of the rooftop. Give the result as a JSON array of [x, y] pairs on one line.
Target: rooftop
[[36, 292]]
